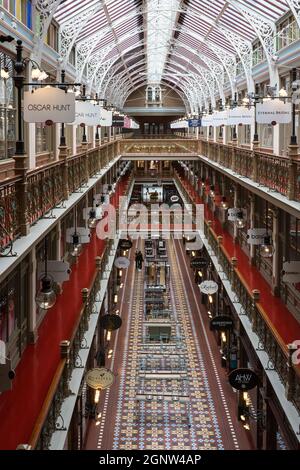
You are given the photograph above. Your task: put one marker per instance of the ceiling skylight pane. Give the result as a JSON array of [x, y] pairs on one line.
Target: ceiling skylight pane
[[161, 19]]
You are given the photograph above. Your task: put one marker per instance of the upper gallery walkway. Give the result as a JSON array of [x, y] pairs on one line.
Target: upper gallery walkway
[[272, 321]]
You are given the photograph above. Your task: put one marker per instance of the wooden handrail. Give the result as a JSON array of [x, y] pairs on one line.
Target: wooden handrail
[[46, 405]]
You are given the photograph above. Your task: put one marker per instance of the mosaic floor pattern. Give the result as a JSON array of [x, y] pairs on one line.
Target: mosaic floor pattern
[[180, 413]]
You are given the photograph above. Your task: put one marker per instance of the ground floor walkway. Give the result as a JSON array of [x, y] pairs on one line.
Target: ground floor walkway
[[168, 394]]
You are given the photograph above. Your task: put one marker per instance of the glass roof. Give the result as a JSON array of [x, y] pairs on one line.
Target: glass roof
[[172, 41]]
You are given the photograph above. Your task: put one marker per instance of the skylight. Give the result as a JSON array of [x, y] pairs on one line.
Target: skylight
[[161, 20]]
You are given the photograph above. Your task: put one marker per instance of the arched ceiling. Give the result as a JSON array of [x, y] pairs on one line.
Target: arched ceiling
[[191, 45]]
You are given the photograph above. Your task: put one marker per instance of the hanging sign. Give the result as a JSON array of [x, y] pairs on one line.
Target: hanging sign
[[209, 287], [49, 104], [83, 233], [199, 263], [105, 118], [256, 236], [240, 115], [291, 272], [233, 214], [110, 322], [220, 118], [207, 120], [98, 211], [122, 262], [273, 111], [221, 323], [243, 379], [118, 121], [59, 271], [194, 122], [87, 113], [125, 244], [99, 378], [180, 125]]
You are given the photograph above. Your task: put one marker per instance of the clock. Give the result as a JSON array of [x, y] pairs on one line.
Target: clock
[[99, 378]]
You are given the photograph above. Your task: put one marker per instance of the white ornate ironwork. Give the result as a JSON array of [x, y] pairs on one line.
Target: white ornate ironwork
[[70, 30], [295, 8], [244, 51], [265, 29], [45, 10]]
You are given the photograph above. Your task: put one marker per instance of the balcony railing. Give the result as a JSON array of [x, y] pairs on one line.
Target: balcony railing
[[26, 198], [279, 174]]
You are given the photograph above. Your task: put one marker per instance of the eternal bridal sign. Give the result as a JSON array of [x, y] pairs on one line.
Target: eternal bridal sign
[[87, 113], [240, 115], [49, 104], [273, 112]]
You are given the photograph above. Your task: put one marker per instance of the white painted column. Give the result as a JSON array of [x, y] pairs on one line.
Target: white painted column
[[31, 144], [56, 141], [74, 144], [276, 260], [94, 137]]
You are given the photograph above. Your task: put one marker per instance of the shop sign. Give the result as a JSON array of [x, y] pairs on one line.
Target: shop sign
[[118, 121], [122, 262], [99, 378], [87, 113], [194, 122], [221, 323], [125, 244], [256, 236], [209, 287], [243, 379], [110, 322], [240, 115], [49, 104], [273, 111], [199, 263], [233, 213], [174, 198], [220, 119], [291, 272], [83, 233], [105, 118], [59, 271], [207, 120]]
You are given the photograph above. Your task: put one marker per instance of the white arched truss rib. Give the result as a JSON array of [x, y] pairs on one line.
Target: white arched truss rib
[[69, 31], [264, 28], [99, 49]]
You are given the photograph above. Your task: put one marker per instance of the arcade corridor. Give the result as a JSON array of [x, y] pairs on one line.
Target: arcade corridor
[[194, 407]]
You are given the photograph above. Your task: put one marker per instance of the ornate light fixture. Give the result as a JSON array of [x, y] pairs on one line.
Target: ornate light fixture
[[224, 203], [46, 296], [240, 222], [77, 247], [266, 249]]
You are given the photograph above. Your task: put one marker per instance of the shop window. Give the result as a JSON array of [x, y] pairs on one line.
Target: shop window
[[14, 306], [7, 111], [52, 36], [72, 56], [265, 132], [44, 138]]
